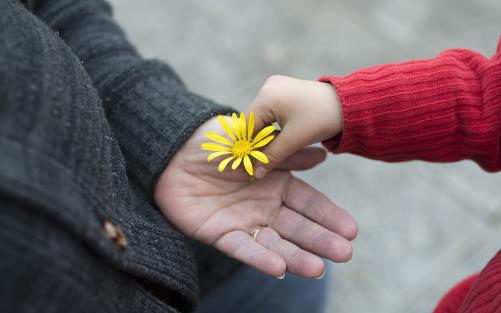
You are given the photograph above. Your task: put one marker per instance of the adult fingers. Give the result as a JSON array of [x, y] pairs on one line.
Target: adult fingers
[[290, 140], [304, 159], [299, 261], [311, 203], [311, 236], [241, 246]]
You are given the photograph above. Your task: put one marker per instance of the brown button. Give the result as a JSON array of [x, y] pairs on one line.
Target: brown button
[[116, 235]]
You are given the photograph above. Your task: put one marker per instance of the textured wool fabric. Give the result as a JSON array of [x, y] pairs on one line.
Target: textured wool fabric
[[149, 110], [443, 109], [485, 294], [78, 228], [451, 302], [44, 269]]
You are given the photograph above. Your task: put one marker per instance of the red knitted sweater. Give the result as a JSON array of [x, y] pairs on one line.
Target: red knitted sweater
[[441, 110]]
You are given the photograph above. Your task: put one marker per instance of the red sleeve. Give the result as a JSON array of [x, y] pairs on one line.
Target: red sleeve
[[443, 109], [484, 295]]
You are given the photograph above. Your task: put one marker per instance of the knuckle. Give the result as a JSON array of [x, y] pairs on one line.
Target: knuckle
[[271, 88], [274, 79]]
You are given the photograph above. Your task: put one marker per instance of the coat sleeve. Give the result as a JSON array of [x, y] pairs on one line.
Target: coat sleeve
[[443, 109], [150, 111]]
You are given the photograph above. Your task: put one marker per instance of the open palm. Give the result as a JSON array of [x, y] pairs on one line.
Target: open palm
[[298, 224]]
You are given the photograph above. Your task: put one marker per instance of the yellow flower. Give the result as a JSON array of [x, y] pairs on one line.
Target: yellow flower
[[240, 145]]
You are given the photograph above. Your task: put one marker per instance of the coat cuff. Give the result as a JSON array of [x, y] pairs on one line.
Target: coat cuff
[[152, 116]]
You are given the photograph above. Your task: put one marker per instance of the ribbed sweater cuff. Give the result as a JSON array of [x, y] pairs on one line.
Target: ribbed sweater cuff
[[433, 110], [152, 116]]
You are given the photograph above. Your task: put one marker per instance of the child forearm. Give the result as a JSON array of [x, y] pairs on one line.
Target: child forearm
[[443, 109]]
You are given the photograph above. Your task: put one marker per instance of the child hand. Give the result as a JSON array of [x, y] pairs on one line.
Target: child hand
[[307, 111]]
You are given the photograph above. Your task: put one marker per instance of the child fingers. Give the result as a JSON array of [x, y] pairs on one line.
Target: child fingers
[[299, 261], [266, 105], [263, 115], [311, 203], [262, 118], [242, 247]]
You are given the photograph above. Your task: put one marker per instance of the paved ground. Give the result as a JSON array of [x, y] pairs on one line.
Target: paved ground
[[422, 226]]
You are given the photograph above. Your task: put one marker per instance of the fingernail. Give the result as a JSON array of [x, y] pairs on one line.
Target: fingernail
[[281, 277], [259, 173], [321, 276]]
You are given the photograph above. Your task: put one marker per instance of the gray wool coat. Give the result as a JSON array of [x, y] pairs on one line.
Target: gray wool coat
[[86, 127]]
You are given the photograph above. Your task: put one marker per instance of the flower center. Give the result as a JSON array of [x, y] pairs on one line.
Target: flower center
[[241, 148]]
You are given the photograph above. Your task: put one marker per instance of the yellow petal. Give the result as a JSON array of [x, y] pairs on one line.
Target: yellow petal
[[226, 126], [263, 133], [223, 163], [260, 156], [213, 147], [248, 165], [243, 131], [250, 127], [263, 142], [236, 163], [218, 138], [214, 155], [235, 123]]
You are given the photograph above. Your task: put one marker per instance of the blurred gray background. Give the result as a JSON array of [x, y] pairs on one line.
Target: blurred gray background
[[422, 226]]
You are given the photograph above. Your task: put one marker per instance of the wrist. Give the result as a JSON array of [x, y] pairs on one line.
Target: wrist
[[332, 109]]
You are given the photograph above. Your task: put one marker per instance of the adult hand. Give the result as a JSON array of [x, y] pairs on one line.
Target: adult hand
[[298, 224]]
